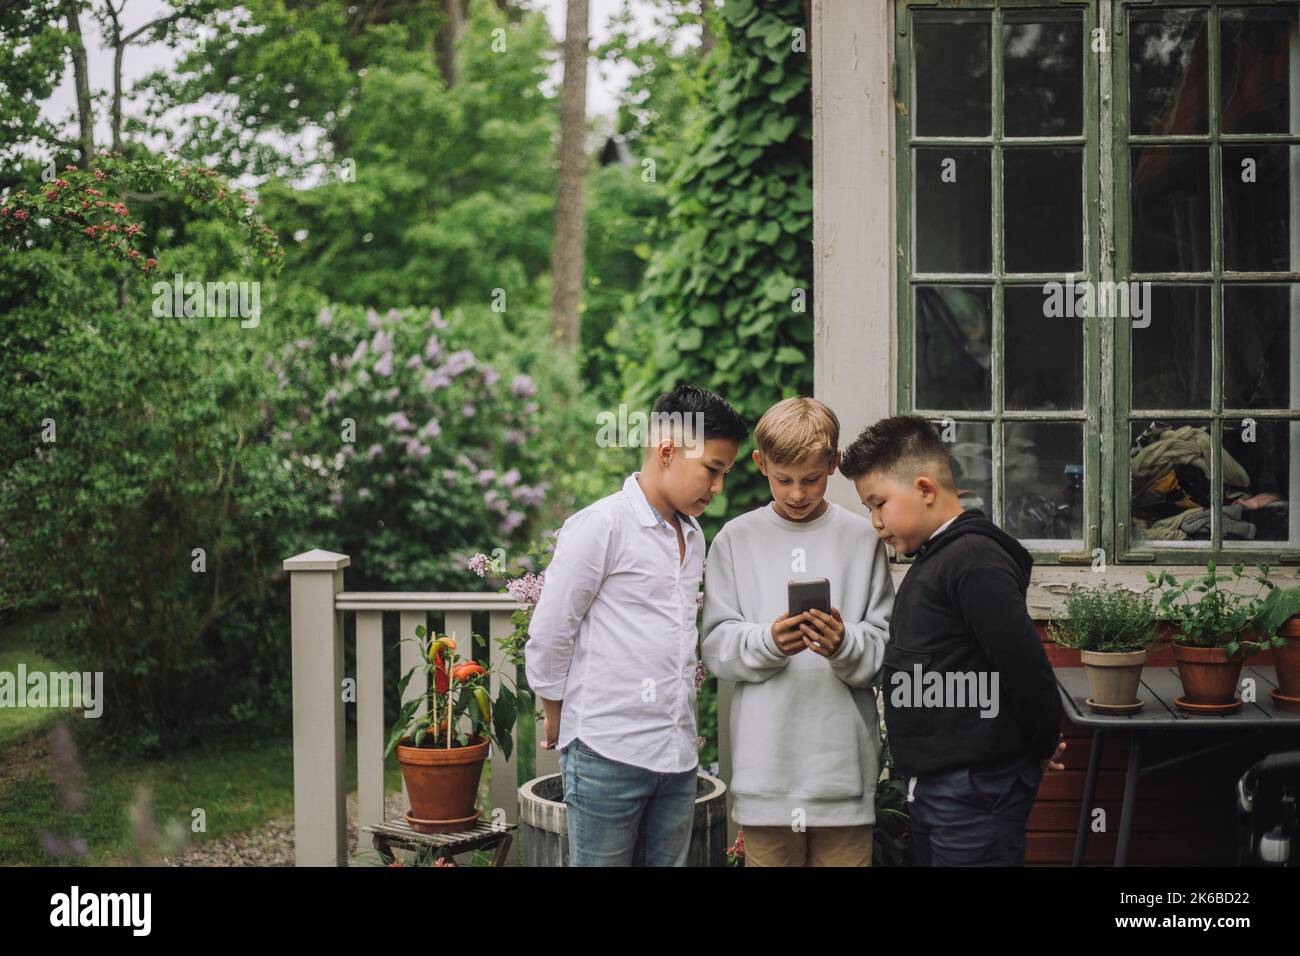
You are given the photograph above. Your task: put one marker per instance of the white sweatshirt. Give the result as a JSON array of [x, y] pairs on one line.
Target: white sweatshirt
[[805, 744]]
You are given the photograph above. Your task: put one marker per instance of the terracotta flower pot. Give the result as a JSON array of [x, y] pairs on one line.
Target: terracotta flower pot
[[1287, 660], [442, 785], [1208, 674], [1113, 677]]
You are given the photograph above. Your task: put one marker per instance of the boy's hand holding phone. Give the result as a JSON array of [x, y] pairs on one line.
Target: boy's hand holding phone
[[823, 632], [787, 637]]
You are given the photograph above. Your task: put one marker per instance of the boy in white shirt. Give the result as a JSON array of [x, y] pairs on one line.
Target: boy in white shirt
[[805, 737], [611, 647]]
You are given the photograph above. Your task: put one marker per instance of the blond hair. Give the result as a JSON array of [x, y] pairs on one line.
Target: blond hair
[[795, 428]]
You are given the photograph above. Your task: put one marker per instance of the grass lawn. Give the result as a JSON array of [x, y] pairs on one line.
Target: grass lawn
[[238, 786]]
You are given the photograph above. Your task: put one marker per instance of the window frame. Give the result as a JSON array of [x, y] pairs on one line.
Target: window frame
[[1106, 142]]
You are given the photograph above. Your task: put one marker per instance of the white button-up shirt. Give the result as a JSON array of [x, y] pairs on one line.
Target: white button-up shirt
[[614, 634]]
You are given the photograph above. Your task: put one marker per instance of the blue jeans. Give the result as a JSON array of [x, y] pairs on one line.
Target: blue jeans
[[621, 815], [974, 816]]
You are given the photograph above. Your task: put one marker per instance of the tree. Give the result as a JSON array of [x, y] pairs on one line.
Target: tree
[[571, 184]]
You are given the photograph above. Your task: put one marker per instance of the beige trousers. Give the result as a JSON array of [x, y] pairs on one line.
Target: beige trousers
[[816, 846]]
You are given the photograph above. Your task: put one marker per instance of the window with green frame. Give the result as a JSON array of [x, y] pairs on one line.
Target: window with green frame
[[1099, 269]]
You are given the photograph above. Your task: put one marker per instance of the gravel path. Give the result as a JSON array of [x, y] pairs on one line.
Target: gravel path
[[272, 844]]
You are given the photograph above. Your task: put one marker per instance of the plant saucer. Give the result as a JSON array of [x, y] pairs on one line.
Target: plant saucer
[[1284, 702], [1117, 710], [1187, 706]]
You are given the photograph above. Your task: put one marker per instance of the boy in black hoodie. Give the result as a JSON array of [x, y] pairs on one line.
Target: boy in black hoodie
[[971, 704]]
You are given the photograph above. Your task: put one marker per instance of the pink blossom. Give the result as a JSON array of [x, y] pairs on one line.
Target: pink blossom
[[512, 436], [490, 376], [510, 478], [372, 318], [431, 429], [413, 362], [325, 319], [523, 386], [375, 450], [468, 410], [385, 365], [485, 477], [399, 422], [436, 318], [527, 590], [479, 564]]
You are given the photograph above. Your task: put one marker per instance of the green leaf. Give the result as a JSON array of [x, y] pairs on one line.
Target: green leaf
[[787, 355], [689, 339]]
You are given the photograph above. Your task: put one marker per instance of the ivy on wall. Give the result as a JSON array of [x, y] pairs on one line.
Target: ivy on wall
[[730, 290]]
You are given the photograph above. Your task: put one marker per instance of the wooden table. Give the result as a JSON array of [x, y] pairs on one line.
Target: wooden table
[[398, 833], [1158, 689]]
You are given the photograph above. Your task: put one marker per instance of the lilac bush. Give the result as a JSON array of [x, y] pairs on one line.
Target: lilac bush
[[415, 449]]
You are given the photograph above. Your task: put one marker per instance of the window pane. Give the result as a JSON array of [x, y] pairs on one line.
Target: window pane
[[1257, 185], [1169, 462], [1171, 208], [971, 450], [1261, 512], [1043, 367], [1256, 70], [1261, 346], [1171, 354], [953, 210], [1167, 71], [1043, 465], [954, 76], [951, 354], [1042, 205], [1042, 71]]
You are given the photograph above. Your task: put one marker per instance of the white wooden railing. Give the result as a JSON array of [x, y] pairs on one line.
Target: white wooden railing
[[318, 604]]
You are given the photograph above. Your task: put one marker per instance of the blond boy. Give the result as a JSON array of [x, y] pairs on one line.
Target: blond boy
[[804, 725]]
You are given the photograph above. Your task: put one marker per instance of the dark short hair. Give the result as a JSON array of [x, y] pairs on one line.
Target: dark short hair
[[903, 446], [720, 419]]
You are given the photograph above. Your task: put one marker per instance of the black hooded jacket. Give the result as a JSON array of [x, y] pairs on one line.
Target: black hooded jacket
[[960, 615]]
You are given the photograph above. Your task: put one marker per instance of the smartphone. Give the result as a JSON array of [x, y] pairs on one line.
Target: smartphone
[[805, 595]]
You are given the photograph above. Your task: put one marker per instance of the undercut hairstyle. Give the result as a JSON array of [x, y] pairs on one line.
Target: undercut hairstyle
[[719, 418], [902, 447], [793, 429]]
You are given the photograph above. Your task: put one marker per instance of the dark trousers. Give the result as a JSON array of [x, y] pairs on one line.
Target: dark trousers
[[973, 816]]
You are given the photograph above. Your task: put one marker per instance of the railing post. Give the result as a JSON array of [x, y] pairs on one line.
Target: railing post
[[319, 800]]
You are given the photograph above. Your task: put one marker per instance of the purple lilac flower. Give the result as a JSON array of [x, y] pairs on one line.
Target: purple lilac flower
[[417, 449], [399, 422], [348, 451], [434, 380], [363, 377], [375, 450], [485, 477], [512, 436], [431, 429], [372, 318], [511, 478], [490, 376], [385, 365], [512, 520], [363, 494], [392, 393], [336, 500], [357, 355], [414, 361], [523, 386], [325, 319], [527, 589], [391, 315], [432, 348], [458, 362], [468, 410], [390, 481], [531, 496], [436, 318], [479, 564], [301, 344], [449, 475], [382, 342], [531, 408], [331, 396]]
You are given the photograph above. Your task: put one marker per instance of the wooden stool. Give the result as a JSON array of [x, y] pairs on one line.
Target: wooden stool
[[398, 833]]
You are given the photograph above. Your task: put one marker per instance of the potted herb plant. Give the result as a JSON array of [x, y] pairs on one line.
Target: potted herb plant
[[1110, 627], [1281, 614], [442, 758], [1217, 630]]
